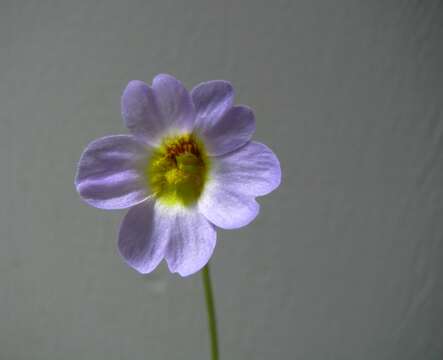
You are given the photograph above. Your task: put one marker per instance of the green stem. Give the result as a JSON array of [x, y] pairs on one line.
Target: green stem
[[211, 311]]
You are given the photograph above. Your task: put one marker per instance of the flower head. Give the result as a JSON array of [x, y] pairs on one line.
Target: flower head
[[188, 166]]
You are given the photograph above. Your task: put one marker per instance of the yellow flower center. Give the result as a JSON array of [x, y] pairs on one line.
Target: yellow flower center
[[178, 170]]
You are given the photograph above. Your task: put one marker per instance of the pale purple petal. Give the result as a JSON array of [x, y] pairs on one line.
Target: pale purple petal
[[191, 244], [174, 102], [252, 170], [144, 236], [140, 112], [232, 131], [211, 99], [110, 172], [226, 207]]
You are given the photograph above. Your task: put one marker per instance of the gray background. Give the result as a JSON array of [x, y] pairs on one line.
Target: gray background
[[344, 260]]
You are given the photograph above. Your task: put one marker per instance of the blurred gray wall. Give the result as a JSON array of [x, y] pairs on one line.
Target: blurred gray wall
[[345, 259]]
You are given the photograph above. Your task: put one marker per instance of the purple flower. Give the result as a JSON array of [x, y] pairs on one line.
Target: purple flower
[[188, 166]]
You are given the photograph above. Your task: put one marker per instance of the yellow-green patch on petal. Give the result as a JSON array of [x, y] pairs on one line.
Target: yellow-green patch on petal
[[178, 170]]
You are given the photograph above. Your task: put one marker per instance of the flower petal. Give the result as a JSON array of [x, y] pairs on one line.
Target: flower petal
[[140, 112], [232, 131], [252, 170], [211, 100], [143, 237], [174, 102], [110, 172], [225, 207], [191, 244]]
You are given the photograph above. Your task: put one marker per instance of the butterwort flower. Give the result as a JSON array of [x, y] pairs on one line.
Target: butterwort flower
[[187, 167]]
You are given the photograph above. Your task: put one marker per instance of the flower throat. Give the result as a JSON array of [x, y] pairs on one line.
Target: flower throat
[[178, 170]]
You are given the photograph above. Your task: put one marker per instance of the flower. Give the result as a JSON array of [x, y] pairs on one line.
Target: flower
[[188, 166]]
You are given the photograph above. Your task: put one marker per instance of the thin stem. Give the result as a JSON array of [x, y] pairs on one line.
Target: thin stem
[[206, 276]]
